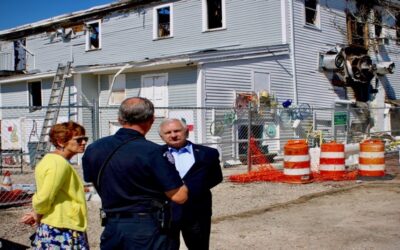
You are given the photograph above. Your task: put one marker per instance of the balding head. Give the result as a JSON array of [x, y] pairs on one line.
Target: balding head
[[135, 110]]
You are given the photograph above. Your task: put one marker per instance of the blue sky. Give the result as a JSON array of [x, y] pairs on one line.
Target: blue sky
[[14, 13]]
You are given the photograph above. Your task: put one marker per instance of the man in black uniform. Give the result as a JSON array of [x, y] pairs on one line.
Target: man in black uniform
[[200, 169], [134, 181]]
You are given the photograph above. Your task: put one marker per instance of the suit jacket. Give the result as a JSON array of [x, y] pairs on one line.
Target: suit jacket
[[205, 174]]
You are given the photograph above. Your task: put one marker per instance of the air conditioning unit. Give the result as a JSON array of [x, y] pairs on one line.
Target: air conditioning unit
[[333, 62]]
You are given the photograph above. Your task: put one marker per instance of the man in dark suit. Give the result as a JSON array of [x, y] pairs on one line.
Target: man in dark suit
[[199, 168]]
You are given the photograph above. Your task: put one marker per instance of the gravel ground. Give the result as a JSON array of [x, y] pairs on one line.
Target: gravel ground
[[365, 217], [232, 204]]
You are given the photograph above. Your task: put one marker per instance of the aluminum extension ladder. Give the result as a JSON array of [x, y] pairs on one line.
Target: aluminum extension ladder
[[53, 108]]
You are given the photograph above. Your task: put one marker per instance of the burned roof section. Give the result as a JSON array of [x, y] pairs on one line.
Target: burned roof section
[[74, 18]]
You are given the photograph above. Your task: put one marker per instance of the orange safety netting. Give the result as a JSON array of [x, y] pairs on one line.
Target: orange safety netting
[[266, 172], [347, 176]]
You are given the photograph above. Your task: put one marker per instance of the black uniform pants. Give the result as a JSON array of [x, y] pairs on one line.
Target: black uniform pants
[[196, 233], [134, 231]]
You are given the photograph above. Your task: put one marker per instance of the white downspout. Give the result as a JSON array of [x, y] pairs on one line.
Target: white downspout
[[283, 20], [292, 52], [113, 80], [201, 131]]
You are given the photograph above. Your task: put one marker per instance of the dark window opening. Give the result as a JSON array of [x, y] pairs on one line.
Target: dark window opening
[[378, 24], [94, 35], [35, 96], [398, 28], [311, 11], [163, 15], [214, 14]]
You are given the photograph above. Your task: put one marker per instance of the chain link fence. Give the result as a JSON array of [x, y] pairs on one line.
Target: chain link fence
[[229, 129]]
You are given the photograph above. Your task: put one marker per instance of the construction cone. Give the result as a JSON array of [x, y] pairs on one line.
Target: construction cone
[[7, 182]]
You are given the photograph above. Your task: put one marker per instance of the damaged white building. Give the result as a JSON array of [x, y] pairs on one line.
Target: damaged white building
[[201, 53]]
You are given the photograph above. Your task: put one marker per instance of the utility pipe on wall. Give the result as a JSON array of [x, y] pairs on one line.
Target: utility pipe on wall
[[292, 39], [113, 80]]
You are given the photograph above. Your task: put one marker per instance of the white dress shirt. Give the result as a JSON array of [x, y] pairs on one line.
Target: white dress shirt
[[184, 158]]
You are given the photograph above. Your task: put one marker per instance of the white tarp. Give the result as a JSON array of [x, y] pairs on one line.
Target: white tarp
[[11, 134]]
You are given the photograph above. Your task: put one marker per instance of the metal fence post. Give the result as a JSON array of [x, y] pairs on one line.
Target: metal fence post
[[249, 138], [95, 120], [369, 125]]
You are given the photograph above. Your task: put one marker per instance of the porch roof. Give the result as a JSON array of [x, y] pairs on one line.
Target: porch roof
[[185, 60]]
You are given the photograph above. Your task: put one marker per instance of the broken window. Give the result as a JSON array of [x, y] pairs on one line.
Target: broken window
[[356, 31], [35, 96], [162, 21], [118, 89], [20, 55], [311, 12], [93, 35], [214, 13], [378, 24]]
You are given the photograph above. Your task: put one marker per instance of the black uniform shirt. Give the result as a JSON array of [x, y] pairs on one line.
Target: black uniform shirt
[[136, 174]]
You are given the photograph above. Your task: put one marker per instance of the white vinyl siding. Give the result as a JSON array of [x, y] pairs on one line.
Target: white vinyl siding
[[261, 81], [127, 36]]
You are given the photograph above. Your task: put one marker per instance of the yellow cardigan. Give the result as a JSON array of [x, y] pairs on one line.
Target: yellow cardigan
[[59, 196]]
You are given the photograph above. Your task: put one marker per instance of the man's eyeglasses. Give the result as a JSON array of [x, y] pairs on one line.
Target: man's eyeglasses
[[81, 139]]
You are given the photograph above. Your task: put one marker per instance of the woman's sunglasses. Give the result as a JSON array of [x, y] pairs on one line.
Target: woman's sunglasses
[[81, 139]]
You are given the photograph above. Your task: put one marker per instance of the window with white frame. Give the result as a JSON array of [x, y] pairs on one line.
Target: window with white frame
[[163, 16], [213, 14], [117, 89], [311, 12], [155, 88], [93, 35], [35, 95]]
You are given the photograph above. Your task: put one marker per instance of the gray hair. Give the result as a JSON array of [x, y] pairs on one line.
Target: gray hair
[[170, 120], [135, 110]]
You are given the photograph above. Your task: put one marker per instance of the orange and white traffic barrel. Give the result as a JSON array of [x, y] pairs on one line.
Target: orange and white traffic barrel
[[296, 162], [372, 158], [7, 182], [332, 160]]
